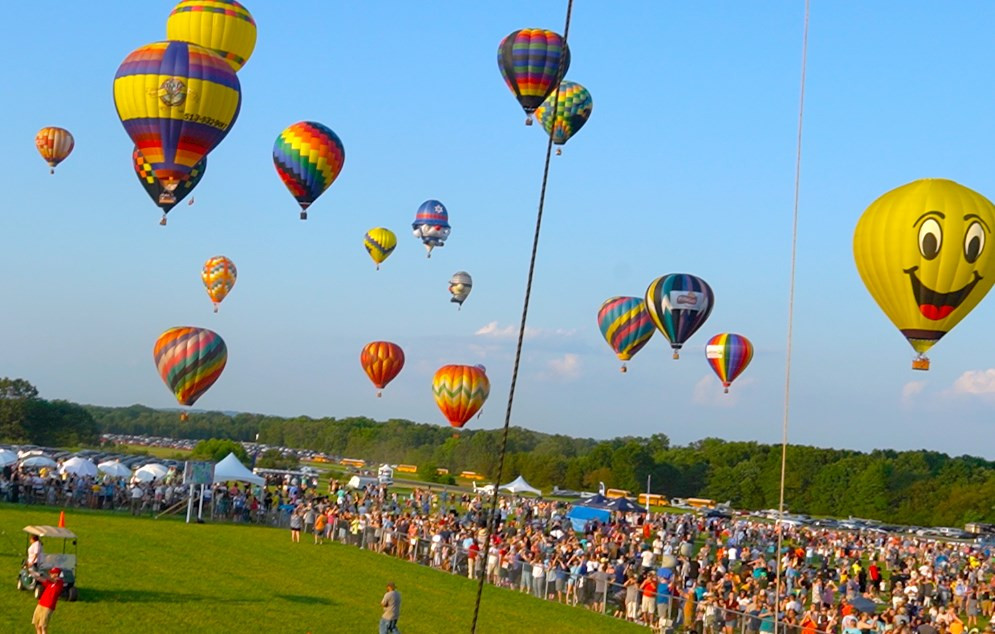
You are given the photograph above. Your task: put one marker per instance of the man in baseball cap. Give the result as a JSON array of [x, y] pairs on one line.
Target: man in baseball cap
[[49, 597]]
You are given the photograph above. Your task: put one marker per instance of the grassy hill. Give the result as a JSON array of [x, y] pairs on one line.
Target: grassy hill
[[143, 575]]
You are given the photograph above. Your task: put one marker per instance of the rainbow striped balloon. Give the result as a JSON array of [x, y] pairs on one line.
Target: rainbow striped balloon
[[533, 62], [189, 361], [460, 391], [177, 102], [573, 111], [54, 144], [379, 243], [626, 325], [224, 26], [308, 157], [728, 354], [219, 276]]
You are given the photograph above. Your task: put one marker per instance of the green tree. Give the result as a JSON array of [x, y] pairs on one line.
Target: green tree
[[216, 449], [16, 398]]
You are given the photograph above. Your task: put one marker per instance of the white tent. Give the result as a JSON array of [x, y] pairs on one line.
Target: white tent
[[114, 469], [7, 457], [79, 466], [231, 469], [519, 485], [151, 471], [38, 462]]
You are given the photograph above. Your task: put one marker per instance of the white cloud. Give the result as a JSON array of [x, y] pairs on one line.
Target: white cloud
[[911, 389], [496, 331], [566, 367], [976, 382]]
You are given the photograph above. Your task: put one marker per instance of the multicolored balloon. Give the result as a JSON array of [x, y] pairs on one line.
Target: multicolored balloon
[[728, 354], [921, 251], [460, 392], [379, 243], [533, 62], [679, 304], [626, 326], [382, 361], [224, 26], [219, 276], [572, 112], [177, 102], [54, 144], [431, 225], [460, 285], [189, 361], [143, 169], [308, 157]]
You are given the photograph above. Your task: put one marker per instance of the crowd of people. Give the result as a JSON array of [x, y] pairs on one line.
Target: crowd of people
[[669, 571]]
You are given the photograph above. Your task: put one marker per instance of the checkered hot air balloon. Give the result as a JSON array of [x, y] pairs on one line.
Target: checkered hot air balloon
[[143, 169], [219, 276], [189, 361], [54, 144], [574, 105], [308, 157], [533, 62]]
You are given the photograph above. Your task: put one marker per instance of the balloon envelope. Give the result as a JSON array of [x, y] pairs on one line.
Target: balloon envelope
[[379, 243], [728, 354], [382, 361], [431, 224], [626, 325], [54, 144], [572, 112], [460, 392], [224, 26], [679, 304], [155, 190], [177, 101], [189, 361], [308, 156], [922, 251], [219, 276], [460, 285], [532, 62]]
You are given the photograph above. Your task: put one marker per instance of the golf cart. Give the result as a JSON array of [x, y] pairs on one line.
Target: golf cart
[[66, 561]]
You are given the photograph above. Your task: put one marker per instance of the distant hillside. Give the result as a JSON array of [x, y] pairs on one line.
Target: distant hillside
[[910, 487]]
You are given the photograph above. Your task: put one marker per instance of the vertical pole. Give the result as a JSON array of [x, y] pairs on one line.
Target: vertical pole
[[190, 504], [200, 509], [649, 478]]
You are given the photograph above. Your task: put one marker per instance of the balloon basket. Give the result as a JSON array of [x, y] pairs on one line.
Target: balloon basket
[[559, 152], [215, 308], [725, 390], [51, 171], [162, 221], [623, 369], [528, 120], [920, 363], [303, 215], [677, 355], [379, 394]]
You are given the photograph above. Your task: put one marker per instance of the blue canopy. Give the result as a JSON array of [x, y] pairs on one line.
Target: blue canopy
[[580, 515]]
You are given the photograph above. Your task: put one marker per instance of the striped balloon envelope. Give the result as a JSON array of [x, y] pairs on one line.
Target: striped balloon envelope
[[379, 243], [308, 157], [679, 304], [189, 361], [533, 62], [574, 106], [219, 276], [625, 325], [728, 354], [224, 26], [177, 101], [382, 361], [54, 144], [460, 391]]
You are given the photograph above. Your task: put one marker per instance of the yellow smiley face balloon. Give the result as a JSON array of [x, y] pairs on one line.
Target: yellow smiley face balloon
[[923, 253]]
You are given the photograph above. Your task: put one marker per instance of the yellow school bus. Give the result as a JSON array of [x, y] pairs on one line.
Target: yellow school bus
[[352, 462], [701, 503], [442, 471], [407, 468], [652, 499], [617, 493], [471, 475]]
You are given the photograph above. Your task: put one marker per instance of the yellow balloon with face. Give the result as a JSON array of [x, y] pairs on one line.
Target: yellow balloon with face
[[923, 253]]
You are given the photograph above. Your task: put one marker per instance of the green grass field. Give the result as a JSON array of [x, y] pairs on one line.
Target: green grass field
[[143, 575]]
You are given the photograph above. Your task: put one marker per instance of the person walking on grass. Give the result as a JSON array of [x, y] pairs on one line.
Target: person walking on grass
[[49, 597], [391, 604]]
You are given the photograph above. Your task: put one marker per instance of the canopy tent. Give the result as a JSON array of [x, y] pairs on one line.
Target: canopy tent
[[151, 471], [114, 469], [579, 515], [79, 466], [519, 485], [38, 462], [231, 469], [625, 505], [596, 502], [7, 457]]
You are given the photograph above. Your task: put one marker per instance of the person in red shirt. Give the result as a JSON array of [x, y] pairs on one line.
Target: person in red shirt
[[49, 597]]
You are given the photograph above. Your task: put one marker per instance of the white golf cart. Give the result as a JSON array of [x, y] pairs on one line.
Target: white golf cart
[[65, 561]]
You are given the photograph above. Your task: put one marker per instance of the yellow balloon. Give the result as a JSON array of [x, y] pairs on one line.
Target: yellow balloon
[[224, 26], [379, 243], [922, 251]]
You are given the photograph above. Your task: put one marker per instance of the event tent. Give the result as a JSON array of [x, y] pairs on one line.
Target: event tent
[[519, 485], [151, 471], [79, 466], [38, 462], [114, 469], [231, 469], [580, 515], [625, 505], [7, 457]]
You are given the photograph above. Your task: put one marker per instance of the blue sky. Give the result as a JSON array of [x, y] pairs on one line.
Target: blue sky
[[686, 165]]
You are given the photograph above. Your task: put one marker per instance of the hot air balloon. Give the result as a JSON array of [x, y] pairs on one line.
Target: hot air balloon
[[379, 243], [177, 102], [382, 361], [533, 62], [143, 169], [573, 111], [189, 361], [224, 26], [460, 391], [728, 354], [431, 225], [54, 145], [219, 277], [679, 304], [920, 250], [308, 157], [460, 285], [626, 326]]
